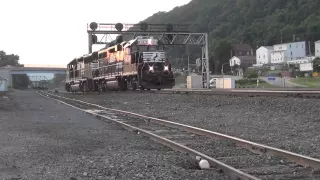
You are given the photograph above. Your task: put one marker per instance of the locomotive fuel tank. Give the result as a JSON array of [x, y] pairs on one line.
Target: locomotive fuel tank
[[75, 87], [113, 85]]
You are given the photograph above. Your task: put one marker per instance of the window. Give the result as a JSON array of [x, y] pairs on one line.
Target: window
[[302, 46], [128, 50], [248, 53], [291, 53], [290, 45]]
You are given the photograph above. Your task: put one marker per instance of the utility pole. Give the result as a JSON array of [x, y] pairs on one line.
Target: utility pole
[[188, 65]]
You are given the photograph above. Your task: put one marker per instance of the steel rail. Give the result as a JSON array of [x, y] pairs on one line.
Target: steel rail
[[176, 146], [251, 146], [246, 91]]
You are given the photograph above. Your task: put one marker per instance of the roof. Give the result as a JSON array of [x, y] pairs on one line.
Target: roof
[[241, 47], [247, 58], [268, 47], [290, 43]]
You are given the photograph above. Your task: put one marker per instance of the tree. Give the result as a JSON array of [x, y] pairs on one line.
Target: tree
[[254, 22], [20, 81], [8, 59], [221, 55], [57, 79], [316, 65]]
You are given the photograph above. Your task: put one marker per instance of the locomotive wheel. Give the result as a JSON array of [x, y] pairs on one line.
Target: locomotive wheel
[[123, 84], [134, 86], [104, 88], [159, 89]]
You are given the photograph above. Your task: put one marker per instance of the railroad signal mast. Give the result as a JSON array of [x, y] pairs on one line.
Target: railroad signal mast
[[167, 34]]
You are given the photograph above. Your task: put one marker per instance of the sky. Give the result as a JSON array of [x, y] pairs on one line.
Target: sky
[[55, 31]]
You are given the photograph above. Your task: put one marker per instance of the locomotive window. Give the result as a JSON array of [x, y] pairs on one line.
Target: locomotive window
[[147, 48], [153, 48], [142, 48], [128, 50], [105, 54]]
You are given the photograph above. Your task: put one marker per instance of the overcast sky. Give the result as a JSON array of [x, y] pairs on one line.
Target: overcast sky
[[54, 31]]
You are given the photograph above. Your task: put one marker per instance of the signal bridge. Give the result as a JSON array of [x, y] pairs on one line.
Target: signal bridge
[[167, 34]]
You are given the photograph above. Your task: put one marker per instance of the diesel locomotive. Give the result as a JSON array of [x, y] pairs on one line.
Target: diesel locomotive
[[140, 63]]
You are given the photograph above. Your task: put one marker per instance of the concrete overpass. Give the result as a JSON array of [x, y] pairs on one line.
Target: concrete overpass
[[8, 71], [29, 70]]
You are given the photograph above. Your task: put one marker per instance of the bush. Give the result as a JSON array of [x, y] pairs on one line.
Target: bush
[[246, 81], [251, 75]]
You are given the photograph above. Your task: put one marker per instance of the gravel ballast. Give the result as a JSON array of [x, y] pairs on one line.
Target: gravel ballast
[[43, 139], [288, 123]]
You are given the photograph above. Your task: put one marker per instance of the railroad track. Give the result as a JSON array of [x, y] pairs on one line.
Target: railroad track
[[308, 93], [236, 157]]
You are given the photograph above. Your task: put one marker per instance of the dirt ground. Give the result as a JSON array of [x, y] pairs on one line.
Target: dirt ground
[[42, 139]]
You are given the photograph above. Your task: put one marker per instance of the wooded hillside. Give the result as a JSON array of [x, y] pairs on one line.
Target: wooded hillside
[[255, 22]]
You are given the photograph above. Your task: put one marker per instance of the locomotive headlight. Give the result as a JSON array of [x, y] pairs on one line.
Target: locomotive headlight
[[151, 68], [166, 68]]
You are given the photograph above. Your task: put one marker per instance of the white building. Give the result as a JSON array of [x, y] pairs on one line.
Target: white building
[[263, 54], [307, 59], [242, 61], [317, 48], [288, 51], [234, 61]]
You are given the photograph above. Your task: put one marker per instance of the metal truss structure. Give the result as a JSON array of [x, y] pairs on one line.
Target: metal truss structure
[[39, 82], [172, 34]]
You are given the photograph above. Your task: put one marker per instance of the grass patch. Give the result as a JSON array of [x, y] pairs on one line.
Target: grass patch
[[252, 83], [312, 82]]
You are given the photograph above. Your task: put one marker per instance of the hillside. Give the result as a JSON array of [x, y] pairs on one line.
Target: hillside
[[255, 22]]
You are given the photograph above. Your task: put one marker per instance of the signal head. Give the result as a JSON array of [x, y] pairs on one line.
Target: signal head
[[93, 26], [144, 26], [119, 27], [169, 27]]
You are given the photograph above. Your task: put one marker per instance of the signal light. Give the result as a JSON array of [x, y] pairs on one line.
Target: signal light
[[93, 26], [169, 27], [119, 27], [144, 26]]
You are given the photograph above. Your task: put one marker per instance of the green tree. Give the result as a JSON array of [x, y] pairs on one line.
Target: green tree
[[57, 79], [8, 59], [316, 65], [20, 81]]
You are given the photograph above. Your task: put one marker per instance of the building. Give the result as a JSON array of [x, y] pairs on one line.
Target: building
[[241, 50], [242, 61], [288, 51], [263, 54], [307, 59], [3, 84], [317, 48]]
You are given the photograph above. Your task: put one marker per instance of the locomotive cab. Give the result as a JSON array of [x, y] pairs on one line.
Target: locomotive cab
[[154, 69]]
